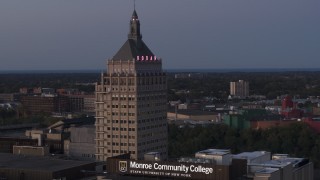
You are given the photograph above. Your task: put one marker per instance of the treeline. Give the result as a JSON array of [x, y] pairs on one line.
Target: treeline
[[15, 116], [11, 83], [297, 140], [271, 84]]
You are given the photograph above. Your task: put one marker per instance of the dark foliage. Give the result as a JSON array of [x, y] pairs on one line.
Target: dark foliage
[[271, 84], [296, 140], [11, 83]]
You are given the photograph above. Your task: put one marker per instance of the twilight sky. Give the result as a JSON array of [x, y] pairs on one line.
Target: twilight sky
[[207, 34]]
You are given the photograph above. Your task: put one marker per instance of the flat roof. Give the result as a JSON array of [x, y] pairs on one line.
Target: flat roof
[[287, 161], [214, 152], [280, 162], [17, 133], [267, 170], [152, 153], [45, 163], [250, 155]]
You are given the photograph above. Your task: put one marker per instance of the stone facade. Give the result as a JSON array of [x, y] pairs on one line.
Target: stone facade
[[131, 111]]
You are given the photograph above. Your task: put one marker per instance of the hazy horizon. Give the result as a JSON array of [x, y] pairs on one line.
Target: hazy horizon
[[181, 70]]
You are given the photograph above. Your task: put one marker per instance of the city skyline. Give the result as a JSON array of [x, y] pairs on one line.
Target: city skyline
[[61, 35]]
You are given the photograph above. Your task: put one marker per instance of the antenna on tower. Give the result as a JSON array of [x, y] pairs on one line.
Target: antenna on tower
[[134, 4]]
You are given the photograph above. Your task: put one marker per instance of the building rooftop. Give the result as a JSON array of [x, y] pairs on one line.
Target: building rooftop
[[296, 162], [214, 152], [37, 163], [130, 50], [152, 153], [267, 170], [249, 155], [66, 123], [134, 46]]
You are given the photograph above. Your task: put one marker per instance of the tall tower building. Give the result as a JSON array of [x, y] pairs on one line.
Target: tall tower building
[[131, 111], [239, 89]]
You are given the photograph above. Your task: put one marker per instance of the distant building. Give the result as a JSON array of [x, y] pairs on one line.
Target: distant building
[[35, 90], [45, 104], [81, 103], [255, 119], [241, 119], [47, 91], [289, 108], [31, 150], [31, 139], [196, 115], [314, 123], [89, 104], [68, 91], [239, 89], [25, 90], [7, 97]]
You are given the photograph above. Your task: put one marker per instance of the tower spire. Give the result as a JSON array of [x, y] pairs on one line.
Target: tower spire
[[134, 32]]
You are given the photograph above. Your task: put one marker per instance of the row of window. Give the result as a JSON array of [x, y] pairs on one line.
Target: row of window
[[152, 127], [88, 155], [151, 112], [121, 106], [142, 105], [121, 151], [132, 89], [152, 81], [146, 135], [131, 81], [146, 105], [122, 98], [124, 89], [152, 97], [152, 88], [122, 121], [125, 137], [157, 133], [122, 136], [121, 129], [121, 144], [152, 119], [119, 81], [121, 114]]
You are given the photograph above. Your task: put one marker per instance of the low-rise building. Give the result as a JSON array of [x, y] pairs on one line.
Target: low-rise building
[[216, 164], [282, 168], [7, 97], [45, 104], [219, 156], [44, 168], [81, 144]]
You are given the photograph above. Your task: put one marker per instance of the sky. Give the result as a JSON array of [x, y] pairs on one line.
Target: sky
[[186, 34]]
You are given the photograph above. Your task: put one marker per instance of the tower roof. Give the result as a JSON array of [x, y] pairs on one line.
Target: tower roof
[[134, 46], [130, 50]]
